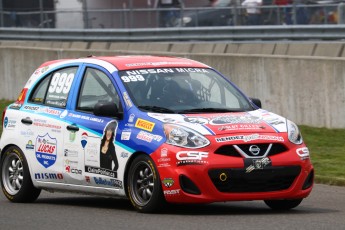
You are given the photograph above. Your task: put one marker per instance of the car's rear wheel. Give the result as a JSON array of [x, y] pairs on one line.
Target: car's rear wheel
[[16, 182], [283, 204], [144, 187]]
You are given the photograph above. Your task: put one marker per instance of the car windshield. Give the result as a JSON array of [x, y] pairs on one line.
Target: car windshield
[[182, 90]]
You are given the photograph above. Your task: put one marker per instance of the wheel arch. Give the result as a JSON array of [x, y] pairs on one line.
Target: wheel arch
[[7, 147], [128, 165], [27, 160]]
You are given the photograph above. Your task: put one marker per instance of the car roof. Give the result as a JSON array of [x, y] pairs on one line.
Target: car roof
[[138, 62], [141, 62]]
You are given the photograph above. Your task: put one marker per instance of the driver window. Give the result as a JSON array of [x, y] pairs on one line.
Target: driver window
[[96, 87]]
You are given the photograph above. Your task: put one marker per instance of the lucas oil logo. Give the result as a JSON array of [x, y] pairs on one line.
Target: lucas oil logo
[[45, 149]]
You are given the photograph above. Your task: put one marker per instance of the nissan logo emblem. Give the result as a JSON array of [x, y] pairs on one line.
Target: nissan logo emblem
[[255, 150]]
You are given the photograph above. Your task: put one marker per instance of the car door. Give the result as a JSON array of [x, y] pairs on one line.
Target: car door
[[89, 139], [41, 125]]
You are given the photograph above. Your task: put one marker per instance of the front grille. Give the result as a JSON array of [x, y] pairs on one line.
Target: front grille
[[243, 150], [259, 180]]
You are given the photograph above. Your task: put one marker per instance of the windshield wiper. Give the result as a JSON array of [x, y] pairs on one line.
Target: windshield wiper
[[210, 110], [155, 109]]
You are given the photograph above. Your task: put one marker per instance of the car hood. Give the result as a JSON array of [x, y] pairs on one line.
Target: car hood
[[258, 121]]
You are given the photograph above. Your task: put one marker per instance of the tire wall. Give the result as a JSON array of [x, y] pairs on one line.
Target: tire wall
[[307, 90]]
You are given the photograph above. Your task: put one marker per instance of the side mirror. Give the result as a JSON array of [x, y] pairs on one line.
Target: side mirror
[[256, 102], [107, 109]]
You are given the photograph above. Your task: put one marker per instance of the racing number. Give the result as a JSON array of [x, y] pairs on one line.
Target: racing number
[[61, 83], [132, 78]]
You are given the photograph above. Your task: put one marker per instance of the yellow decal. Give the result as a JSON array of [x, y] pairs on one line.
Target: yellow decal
[[144, 124]]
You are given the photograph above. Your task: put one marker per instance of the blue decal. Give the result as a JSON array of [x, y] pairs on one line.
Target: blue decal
[[46, 150], [6, 122], [83, 141]]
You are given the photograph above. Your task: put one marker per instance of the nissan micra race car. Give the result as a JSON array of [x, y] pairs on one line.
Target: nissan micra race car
[[155, 130]]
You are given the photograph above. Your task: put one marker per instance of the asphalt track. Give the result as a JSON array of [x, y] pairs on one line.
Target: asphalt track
[[323, 209]]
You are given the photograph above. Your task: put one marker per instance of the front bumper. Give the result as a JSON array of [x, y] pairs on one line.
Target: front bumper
[[227, 178]]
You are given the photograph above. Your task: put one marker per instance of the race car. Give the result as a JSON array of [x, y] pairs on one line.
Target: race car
[[155, 130]]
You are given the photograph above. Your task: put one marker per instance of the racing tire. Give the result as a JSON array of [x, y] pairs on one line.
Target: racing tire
[[283, 205], [16, 181], [144, 187]]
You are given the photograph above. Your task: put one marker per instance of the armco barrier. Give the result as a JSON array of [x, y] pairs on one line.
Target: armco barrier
[[308, 90]]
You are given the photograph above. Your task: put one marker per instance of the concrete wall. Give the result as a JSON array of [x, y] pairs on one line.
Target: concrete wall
[[306, 89]]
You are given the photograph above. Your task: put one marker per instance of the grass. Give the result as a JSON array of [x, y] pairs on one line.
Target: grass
[[327, 148], [327, 153]]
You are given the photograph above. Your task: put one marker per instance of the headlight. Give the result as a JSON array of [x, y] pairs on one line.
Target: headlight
[[294, 133], [184, 137]]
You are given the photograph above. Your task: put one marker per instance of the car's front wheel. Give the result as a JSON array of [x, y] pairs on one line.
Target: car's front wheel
[[16, 182], [144, 187], [283, 204]]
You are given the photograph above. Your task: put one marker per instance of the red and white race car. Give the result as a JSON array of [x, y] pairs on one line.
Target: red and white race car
[[152, 129]]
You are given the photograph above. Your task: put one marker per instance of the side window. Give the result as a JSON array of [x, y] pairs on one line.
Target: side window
[[39, 93], [96, 87], [60, 86], [53, 90]]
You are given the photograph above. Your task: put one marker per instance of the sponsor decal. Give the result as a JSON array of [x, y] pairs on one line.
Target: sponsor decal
[[70, 153], [50, 111], [196, 120], [164, 152], [71, 162], [157, 63], [32, 108], [131, 118], [191, 158], [72, 135], [148, 137], [247, 138], [100, 171], [41, 70], [241, 127], [258, 164], [162, 165], [124, 155], [9, 124], [303, 153], [87, 179], [46, 150], [57, 103], [127, 99], [5, 122], [29, 145], [126, 134], [274, 121], [69, 169], [27, 133], [63, 114], [108, 182], [48, 176], [87, 118], [84, 137], [144, 124], [223, 120], [92, 153], [165, 159], [45, 124], [168, 182], [172, 192]]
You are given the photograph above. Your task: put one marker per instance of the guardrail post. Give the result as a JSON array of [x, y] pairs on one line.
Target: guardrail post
[[41, 14], [341, 13], [85, 15], [1, 15]]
